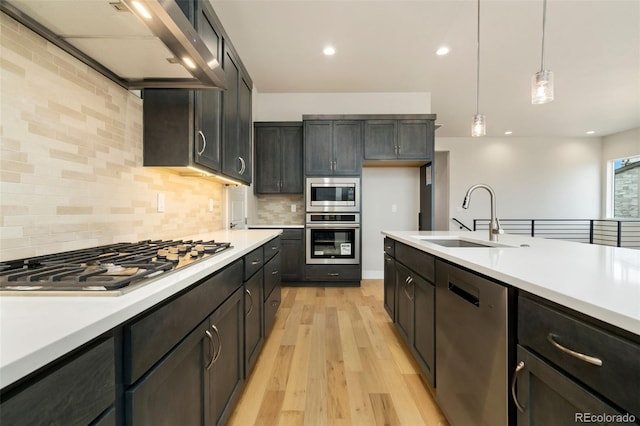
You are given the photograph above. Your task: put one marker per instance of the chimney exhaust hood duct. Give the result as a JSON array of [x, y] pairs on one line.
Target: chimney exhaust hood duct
[[161, 50]]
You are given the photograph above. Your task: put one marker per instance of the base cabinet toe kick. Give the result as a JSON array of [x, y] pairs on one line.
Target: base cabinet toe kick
[[497, 355]]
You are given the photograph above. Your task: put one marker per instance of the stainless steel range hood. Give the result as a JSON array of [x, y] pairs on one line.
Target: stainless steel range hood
[[158, 48]]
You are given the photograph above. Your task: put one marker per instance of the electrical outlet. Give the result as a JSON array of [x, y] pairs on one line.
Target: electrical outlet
[[210, 204], [394, 208], [293, 208], [160, 202]]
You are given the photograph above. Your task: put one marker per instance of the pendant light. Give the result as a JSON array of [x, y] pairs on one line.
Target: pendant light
[[479, 125], [542, 81]]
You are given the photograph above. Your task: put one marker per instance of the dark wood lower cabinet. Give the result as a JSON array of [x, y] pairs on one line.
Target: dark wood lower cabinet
[[253, 308], [226, 372], [292, 255], [390, 286], [73, 391], [423, 337], [173, 393], [404, 303], [547, 396]]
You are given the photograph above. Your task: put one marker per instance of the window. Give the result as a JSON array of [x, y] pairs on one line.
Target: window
[[626, 188]]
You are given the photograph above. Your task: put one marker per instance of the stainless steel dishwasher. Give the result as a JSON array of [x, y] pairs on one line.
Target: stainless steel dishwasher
[[472, 330]]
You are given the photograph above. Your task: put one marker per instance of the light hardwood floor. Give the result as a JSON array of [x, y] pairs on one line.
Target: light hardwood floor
[[333, 358]]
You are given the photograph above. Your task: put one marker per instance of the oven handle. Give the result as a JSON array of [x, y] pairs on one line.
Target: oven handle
[[332, 225]]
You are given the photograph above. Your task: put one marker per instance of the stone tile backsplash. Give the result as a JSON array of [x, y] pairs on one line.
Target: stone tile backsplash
[[276, 209], [71, 172]]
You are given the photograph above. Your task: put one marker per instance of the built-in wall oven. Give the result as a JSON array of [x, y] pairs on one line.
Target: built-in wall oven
[[329, 194], [333, 238]]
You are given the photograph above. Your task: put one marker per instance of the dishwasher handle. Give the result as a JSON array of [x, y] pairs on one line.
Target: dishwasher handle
[[465, 294]]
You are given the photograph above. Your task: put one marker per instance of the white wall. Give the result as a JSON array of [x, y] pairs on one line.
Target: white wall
[[549, 178], [391, 202], [614, 147], [291, 106]]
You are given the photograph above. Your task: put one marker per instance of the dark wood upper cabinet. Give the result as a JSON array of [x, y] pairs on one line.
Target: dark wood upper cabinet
[[399, 139], [236, 144], [278, 159], [333, 147], [205, 129]]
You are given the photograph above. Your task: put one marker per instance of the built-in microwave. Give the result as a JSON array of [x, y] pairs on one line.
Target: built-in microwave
[[331, 194]]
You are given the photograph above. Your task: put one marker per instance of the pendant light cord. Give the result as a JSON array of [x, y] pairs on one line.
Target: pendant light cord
[[544, 22], [478, 65]]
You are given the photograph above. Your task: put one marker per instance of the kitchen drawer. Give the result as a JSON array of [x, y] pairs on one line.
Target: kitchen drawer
[[271, 248], [253, 262], [417, 260], [332, 273], [616, 379], [73, 392], [292, 234], [151, 337], [271, 275], [390, 246], [271, 306]]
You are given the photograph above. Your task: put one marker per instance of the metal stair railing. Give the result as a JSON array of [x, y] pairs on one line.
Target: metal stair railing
[[610, 232]]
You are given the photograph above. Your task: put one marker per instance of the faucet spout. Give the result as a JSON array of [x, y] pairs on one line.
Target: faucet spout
[[494, 226]]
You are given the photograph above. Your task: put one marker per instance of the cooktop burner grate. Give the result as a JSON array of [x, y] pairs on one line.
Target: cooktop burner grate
[[105, 268]]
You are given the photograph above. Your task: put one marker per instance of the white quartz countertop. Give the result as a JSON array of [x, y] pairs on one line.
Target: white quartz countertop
[[600, 281], [35, 330]]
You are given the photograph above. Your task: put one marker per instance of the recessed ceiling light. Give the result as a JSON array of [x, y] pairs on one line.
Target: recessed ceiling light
[[508, 132], [329, 50], [442, 51], [591, 132]]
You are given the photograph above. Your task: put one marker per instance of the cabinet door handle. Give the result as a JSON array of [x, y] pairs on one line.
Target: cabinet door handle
[[250, 298], [215, 358], [586, 358], [243, 165], [514, 381], [213, 349], [204, 140], [274, 247], [255, 262], [274, 272], [407, 282]]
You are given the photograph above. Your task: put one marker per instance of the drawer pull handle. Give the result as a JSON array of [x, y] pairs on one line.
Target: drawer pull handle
[[255, 262], [333, 274], [586, 358], [274, 247], [250, 298], [213, 349], [274, 272], [514, 381]]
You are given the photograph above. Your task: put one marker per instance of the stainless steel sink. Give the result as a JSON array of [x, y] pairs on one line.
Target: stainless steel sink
[[450, 242], [459, 242]]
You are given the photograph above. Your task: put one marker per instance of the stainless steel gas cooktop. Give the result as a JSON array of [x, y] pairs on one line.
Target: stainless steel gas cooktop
[[108, 270]]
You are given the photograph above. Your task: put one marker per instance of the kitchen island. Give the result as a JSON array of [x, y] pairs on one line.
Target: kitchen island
[[36, 330], [521, 330], [600, 281]]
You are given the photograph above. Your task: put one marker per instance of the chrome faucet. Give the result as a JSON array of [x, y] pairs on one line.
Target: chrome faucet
[[494, 226]]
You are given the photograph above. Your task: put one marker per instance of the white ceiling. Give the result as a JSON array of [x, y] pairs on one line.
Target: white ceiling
[[593, 48]]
